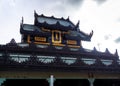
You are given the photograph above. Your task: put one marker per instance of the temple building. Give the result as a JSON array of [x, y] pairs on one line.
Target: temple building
[[51, 54], [53, 31]]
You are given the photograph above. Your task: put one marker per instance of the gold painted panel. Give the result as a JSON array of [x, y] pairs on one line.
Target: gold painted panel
[[56, 36], [42, 39], [72, 42]]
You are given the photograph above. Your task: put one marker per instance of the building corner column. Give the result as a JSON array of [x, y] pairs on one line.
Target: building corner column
[[2, 81], [91, 81]]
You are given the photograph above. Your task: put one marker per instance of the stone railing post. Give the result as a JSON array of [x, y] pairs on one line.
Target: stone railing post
[[51, 80], [2, 81], [91, 81]]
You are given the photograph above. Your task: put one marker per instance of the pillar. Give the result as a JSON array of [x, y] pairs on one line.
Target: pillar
[[51, 80], [91, 81], [2, 81]]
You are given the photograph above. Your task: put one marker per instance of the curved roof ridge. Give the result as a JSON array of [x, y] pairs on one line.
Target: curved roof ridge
[[52, 17]]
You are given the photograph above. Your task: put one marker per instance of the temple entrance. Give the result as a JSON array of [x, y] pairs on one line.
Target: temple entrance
[[26, 82], [71, 82], [61, 82], [44, 82], [107, 82]]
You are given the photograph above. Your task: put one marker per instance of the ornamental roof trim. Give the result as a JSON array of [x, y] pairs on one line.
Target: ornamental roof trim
[[28, 27], [32, 29], [55, 21], [50, 20]]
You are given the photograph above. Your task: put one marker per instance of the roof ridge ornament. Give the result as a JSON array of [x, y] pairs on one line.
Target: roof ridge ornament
[[35, 13], [78, 23], [116, 53], [42, 15], [45, 22], [22, 21], [13, 41], [58, 23], [52, 16], [77, 26], [94, 49], [62, 18], [91, 34], [107, 51], [68, 19]]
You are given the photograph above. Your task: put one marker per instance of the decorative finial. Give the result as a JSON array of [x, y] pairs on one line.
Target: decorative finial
[[22, 21], [35, 13], [116, 53], [107, 51], [91, 34], [68, 18], [78, 23], [62, 18], [57, 23], [42, 15], [77, 26], [13, 41], [94, 49], [52, 16]]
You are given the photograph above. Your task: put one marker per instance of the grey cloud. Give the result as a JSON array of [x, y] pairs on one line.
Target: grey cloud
[[75, 3], [99, 2], [48, 7], [67, 6], [117, 40], [118, 20], [12, 3], [107, 37], [70, 3]]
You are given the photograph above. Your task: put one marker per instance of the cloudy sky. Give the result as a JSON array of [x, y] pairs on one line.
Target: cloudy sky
[[101, 16]]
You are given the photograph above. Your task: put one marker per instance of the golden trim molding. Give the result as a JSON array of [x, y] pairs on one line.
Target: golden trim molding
[[73, 46]]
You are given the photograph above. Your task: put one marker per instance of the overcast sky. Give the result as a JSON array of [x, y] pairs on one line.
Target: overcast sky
[[101, 16]]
